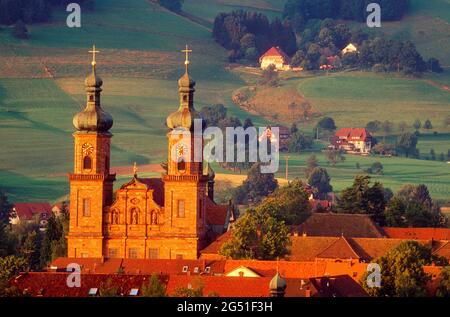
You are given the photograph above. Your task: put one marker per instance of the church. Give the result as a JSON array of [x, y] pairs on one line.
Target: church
[[172, 217]]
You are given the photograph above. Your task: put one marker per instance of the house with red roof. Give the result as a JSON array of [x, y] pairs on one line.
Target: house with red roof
[[275, 56], [353, 140], [28, 212]]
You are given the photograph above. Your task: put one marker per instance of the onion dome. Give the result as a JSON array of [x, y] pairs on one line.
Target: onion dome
[[183, 118], [186, 81], [93, 80], [186, 114], [278, 286], [93, 118]]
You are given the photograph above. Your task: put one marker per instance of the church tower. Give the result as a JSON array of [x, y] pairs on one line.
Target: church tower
[[185, 184], [91, 184]]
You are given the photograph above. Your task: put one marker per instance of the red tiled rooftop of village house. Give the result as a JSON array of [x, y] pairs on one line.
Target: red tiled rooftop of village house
[[350, 133], [216, 214], [55, 285], [215, 246], [336, 225], [339, 249], [275, 51], [443, 250], [26, 211], [338, 286], [287, 269], [320, 204], [418, 233], [139, 266]]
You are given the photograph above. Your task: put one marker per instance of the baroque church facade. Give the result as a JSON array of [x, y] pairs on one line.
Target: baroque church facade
[[172, 217]]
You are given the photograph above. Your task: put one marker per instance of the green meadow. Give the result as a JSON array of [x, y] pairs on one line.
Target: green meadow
[[140, 62], [358, 97]]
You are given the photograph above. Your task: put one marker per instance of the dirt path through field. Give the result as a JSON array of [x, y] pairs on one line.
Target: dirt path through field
[[438, 85]]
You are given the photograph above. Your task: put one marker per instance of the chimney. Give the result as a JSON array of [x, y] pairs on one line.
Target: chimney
[[308, 293]]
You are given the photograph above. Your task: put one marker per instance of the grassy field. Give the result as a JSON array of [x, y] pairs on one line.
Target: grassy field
[[208, 9], [41, 88], [356, 98], [397, 172]]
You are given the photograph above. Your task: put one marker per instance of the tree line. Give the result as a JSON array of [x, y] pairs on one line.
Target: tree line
[[262, 232], [25, 247], [356, 10], [249, 34]]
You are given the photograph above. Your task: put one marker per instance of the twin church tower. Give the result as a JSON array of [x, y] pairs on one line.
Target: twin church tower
[[172, 217]]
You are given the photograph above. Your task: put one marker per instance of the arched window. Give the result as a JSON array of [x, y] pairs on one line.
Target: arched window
[[87, 163], [91, 97], [185, 98], [181, 165]]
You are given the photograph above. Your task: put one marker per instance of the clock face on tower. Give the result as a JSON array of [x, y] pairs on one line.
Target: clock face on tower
[[182, 150], [87, 148]]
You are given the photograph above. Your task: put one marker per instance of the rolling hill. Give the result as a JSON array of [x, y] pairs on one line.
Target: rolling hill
[[41, 87]]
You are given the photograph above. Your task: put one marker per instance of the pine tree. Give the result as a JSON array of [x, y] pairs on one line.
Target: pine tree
[[154, 287], [53, 233], [5, 210], [30, 250]]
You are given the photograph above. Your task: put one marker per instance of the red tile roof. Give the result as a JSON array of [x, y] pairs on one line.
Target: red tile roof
[[215, 246], [353, 133], [275, 51], [369, 249], [216, 214], [443, 250], [338, 286], [139, 266], [320, 204], [55, 285], [222, 286], [418, 233], [339, 249], [26, 211], [307, 248], [287, 269], [336, 225]]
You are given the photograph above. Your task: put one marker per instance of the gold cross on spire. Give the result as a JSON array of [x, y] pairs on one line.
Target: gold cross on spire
[[187, 51], [135, 169], [94, 51]]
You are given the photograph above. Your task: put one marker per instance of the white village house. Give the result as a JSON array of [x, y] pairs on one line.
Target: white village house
[[275, 56], [350, 48]]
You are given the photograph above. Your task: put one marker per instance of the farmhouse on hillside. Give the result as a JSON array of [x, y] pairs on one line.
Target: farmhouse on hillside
[[352, 140], [31, 212], [275, 56], [333, 62], [350, 48]]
